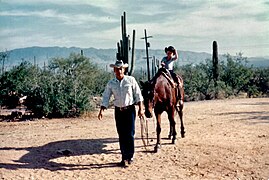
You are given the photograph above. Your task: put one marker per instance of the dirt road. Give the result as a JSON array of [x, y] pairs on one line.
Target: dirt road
[[225, 139]]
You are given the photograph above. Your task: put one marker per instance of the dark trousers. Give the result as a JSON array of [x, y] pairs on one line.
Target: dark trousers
[[125, 123]]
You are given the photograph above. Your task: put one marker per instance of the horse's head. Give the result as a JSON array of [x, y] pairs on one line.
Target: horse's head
[[148, 94]]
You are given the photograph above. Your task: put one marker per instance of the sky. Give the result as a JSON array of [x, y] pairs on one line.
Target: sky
[[238, 26]]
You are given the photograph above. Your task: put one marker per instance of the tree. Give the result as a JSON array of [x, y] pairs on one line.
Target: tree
[[73, 81], [17, 82], [64, 89], [236, 74], [3, 57], [259, 83]]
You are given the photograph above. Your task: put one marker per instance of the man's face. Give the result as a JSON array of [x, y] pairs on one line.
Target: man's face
[[119, 72]]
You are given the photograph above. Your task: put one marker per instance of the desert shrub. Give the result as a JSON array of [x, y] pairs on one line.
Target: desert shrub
[[236, 74], [65, 88], [17, 82], [235, 77], [198, 81], [259, 84]]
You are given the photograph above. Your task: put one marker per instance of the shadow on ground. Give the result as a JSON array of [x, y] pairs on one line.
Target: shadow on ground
[[41, 157], [254, 117]]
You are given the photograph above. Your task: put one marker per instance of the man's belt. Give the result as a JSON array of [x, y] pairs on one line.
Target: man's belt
[[124, 108]]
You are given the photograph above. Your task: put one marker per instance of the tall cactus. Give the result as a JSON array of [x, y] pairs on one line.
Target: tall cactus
[[133, 58], [215, 62], [124, 46]]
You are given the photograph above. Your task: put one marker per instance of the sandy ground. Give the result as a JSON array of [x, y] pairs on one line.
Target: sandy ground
[[225, 139]]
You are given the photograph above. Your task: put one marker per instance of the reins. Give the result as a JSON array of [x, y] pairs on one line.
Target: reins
[[144, 131]]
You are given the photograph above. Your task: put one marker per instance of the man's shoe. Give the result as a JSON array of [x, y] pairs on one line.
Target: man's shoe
[[130, 161], [123, 163]]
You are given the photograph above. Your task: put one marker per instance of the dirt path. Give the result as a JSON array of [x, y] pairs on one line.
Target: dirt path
[[225, 139]]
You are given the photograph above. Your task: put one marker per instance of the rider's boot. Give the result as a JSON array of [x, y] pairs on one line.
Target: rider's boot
[[179, 98]]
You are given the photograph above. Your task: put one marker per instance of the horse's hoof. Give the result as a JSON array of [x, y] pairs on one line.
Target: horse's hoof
[[157, 147], [169, 136], [183, 134]]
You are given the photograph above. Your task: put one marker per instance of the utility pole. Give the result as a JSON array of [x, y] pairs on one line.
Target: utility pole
[[147, 52]]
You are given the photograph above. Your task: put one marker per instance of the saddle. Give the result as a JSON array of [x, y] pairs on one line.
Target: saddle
[[170, 79], [175, 80]]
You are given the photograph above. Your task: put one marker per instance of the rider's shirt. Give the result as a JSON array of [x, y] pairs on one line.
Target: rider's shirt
[[169, 64]]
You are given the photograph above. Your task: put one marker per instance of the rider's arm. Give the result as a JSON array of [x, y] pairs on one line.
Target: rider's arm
[[175, 55]]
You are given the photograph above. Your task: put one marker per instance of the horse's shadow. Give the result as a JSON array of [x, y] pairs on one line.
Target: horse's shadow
[[41, 157]]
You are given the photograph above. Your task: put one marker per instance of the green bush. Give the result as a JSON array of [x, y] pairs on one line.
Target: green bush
[[17, 82], [67, 86], [64, 89], [235, 77]]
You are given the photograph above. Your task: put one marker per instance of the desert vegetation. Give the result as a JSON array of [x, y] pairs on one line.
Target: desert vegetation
[[235, 78], [66, 87]]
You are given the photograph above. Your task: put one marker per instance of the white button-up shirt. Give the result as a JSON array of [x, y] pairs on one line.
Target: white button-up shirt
[[126, 92]]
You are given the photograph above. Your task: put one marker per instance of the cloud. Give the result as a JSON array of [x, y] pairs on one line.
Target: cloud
[[70, 19], [37, 39], [45, 13], [189, 25]]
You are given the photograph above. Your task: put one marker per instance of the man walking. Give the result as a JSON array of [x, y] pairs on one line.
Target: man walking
[[126, 94]]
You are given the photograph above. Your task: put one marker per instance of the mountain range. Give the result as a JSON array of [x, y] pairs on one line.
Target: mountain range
[[103, 57]]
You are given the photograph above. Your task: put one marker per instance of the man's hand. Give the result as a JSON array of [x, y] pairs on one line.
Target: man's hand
[[100, 115], [140, 113], [140, 109]]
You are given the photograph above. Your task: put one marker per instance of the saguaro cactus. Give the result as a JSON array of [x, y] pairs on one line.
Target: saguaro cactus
[[215, 61], [124, 46]]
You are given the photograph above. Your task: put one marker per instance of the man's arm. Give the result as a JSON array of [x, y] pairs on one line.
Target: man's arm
[[105, 101], [176, 55], [138, 97]]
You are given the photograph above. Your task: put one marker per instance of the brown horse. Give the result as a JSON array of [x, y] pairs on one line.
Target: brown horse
[[161, 95]]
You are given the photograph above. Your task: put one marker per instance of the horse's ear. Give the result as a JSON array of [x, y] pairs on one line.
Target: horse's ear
[[142, 83]]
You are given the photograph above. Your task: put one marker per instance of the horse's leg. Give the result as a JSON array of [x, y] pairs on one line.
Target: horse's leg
[[170, 132], [180, 108], [171, 117], [158, 130], [182, 129]]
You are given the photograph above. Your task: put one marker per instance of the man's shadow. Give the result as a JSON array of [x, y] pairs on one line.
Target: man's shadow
[[41, 157]]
